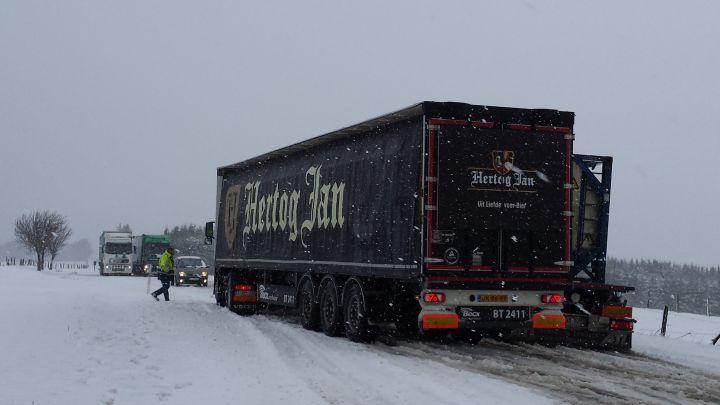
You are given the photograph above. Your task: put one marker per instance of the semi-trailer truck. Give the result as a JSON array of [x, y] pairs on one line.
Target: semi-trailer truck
[[442, 217], [115, 257], [147, 250]]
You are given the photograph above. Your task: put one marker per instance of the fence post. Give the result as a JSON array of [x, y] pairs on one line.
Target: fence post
[[663, 328]]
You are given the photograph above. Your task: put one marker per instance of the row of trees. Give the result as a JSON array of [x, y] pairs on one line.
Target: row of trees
[[43, 232], [682, 287], [190, 240]]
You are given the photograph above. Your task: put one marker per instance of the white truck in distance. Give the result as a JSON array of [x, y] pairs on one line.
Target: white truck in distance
[[115, 253]]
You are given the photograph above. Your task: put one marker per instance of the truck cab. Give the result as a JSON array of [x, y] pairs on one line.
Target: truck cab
[[147, 250], [116, 255]]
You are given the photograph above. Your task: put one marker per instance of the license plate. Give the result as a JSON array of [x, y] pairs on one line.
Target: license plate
[[494, 313], [493, 298]]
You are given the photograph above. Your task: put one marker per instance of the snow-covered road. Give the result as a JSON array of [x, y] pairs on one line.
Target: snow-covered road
[[579, 376], [77, 338]]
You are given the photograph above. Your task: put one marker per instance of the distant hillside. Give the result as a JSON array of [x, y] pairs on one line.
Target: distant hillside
[[692, 288]]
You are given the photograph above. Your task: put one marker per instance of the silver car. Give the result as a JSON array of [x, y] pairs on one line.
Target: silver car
[[190, 270]]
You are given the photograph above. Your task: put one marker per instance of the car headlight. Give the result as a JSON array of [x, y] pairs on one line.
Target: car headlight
[[204, 274], [107, 267], [147, 267], [182, 274], [129, 267]]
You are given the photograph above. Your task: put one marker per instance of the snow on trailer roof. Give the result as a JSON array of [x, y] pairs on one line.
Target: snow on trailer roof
[[453, 110]]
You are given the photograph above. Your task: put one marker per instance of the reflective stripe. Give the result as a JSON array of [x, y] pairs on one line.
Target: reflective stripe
[[617, 311], [440, 321], [354, 264], [554, 321]]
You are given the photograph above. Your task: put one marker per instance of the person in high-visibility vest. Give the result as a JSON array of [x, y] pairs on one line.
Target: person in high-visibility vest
[[166, 265]]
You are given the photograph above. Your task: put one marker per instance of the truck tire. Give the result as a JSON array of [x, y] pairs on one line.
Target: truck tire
[[309, 314], [628, 344], [354, 308], [330, 314], [469, 336], [228, 292], [220, 298], [406, 317]]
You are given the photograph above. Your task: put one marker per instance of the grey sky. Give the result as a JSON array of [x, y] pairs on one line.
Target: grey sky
[[121, 111]]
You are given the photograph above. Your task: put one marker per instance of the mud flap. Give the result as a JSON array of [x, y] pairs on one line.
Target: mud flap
[[617, 340]]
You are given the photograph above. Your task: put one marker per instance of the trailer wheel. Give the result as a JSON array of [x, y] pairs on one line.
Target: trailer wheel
[[356, 322], [309, 313], [330, 315]]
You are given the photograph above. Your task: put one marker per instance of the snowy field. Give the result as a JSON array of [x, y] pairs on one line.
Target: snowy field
[[73, 337], [687, 341]]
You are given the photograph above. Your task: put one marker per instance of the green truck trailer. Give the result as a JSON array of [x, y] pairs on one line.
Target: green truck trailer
[[146, 253]]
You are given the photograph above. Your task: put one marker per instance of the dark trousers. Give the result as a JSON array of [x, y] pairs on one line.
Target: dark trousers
[[164, 290]]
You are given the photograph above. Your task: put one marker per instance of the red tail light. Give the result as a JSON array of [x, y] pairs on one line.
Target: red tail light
[[552, 298], [434, 297], [244, 293], [616, 324]]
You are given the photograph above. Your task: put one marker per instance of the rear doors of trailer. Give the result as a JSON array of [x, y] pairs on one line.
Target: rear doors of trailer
[[497, 199]]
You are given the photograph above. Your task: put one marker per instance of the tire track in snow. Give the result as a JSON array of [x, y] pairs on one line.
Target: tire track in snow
[[310, 361], [576, 375], [247, 347], [343, 372]]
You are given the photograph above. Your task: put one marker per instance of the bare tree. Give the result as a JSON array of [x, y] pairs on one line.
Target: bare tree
[[37, 231], [59, 238]]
